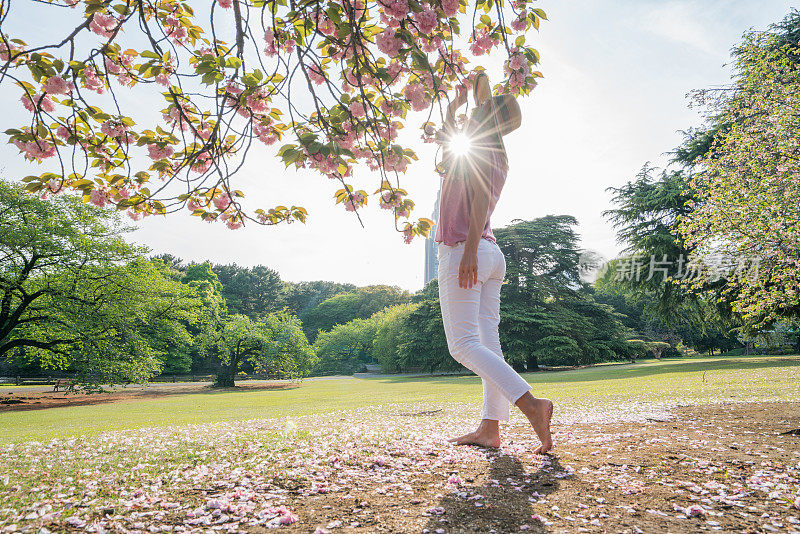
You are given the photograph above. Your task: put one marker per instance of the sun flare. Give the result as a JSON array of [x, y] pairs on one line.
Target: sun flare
[[460, 144]]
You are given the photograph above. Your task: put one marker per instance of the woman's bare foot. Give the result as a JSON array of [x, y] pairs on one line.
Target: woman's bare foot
[[539, 412], [487, 435]]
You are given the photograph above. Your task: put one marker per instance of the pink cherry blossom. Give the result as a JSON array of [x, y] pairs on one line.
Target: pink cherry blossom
[[326, 25], [390, 132], [225, 4], [350, 77], [265, 133], [112, 67], [288, 518], [178, 33], [426, 20], [390, 200], [520, 23], [316, 75], [353, 202], [56, 85], [357, 109], [390, 22], [258, 102], [695, 510], [55, 185], [432, 44], [357, 6], [113, 128], [92, 81], [395, 69], [393, 162], [415, 93], [455, 480], [222, 201], [450, 7], [98, 198], [388, 43], [201, 163], [42, 102], [395, 8], [157, 152], [103, 24], [6, 50], [39, 149]]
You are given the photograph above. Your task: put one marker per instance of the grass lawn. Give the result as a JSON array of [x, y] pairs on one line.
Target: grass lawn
[[371, 454], [669, 382]]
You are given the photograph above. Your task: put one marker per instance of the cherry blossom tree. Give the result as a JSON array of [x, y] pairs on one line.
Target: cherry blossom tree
[[746, 215], [324, 84]]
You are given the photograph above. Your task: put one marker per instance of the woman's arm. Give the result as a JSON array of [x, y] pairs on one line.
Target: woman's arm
[[449, 126], [479, 209], [460, 100]]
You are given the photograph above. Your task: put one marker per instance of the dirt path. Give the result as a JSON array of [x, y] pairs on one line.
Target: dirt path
[[732, 467], [718, 467]]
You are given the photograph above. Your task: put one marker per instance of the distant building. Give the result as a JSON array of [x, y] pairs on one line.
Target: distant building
[[431, 256]]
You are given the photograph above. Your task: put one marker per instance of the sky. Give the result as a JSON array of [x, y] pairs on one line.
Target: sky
[[613, 97]]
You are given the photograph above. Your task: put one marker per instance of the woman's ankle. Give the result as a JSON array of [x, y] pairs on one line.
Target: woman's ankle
[[526, 403], [489, 426]]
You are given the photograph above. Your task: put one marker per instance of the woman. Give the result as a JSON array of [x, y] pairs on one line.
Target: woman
[[472, 268]]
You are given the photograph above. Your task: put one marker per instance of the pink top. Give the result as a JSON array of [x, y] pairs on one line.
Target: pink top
[[454, 205]]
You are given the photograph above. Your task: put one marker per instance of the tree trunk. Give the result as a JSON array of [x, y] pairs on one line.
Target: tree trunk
[[518, 367], [532, 363], [225, 380], [227, 374]]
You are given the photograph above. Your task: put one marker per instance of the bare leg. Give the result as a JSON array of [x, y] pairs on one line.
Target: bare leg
[[487, 435], [539, 412]]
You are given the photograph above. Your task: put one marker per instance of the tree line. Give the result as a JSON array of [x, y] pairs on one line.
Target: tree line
[[78, 298]]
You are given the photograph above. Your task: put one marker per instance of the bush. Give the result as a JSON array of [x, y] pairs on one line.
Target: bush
[[782, 350], [346, 349], [385, 346]]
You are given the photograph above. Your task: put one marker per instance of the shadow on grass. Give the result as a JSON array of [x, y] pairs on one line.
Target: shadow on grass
[[45, 400], [505, 506], [621, 371]]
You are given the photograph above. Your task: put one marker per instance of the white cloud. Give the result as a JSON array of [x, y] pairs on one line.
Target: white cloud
[[684, 22]]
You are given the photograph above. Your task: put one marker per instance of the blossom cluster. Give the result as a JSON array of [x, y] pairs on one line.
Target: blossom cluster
[[417, 61]]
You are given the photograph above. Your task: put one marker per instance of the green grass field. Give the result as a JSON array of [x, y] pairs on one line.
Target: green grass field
[[668, 382]]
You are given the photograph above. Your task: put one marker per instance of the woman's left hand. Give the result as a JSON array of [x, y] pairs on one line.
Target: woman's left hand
[[468, 270]]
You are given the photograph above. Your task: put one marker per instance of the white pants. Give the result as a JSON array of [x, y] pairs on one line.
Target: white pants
[[471, 319]]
